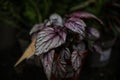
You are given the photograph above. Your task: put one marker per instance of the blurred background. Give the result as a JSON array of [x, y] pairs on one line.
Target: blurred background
[[17, 17]]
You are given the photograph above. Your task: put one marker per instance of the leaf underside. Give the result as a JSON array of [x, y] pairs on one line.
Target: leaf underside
[[85, 15]]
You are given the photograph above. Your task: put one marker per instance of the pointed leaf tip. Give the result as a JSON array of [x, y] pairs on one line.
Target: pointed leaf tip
[[86, 15], [47, 62], [28, 53]]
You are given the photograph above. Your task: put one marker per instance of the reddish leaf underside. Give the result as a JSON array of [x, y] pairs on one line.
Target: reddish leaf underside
[[85, 15], [49, 38]]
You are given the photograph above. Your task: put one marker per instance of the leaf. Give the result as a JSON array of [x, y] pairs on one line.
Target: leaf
[[80, 46], [70, 71], [85, 15], [47, 22], [47, 62], [56, 19], [59, 68], [28, 52], [65, 54], [78, 55], [76, 25], [76, 60], [93, 33], [97, 48], [36, 28], [49, 38], [105, 55]]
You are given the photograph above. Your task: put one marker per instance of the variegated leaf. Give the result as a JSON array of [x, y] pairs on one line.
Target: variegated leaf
[[76, 60], [47, 62], [59, 68], [65, 54], [76, 25], [36, 28], [85, 15], [49, 38], [78, 55]]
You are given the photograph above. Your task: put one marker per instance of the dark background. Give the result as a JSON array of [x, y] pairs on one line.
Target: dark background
[[17, 18]]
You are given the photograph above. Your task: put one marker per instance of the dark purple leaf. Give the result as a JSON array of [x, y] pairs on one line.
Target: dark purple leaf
[[80, 47], [76, 25], [70, 71], [85, 15], [59, 68], [81, 37], [47, 62], [77, 72], [108, 43], [93, 33], [49, 38], [65, 54], [76, 60], [36, 28], [97, 48]]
